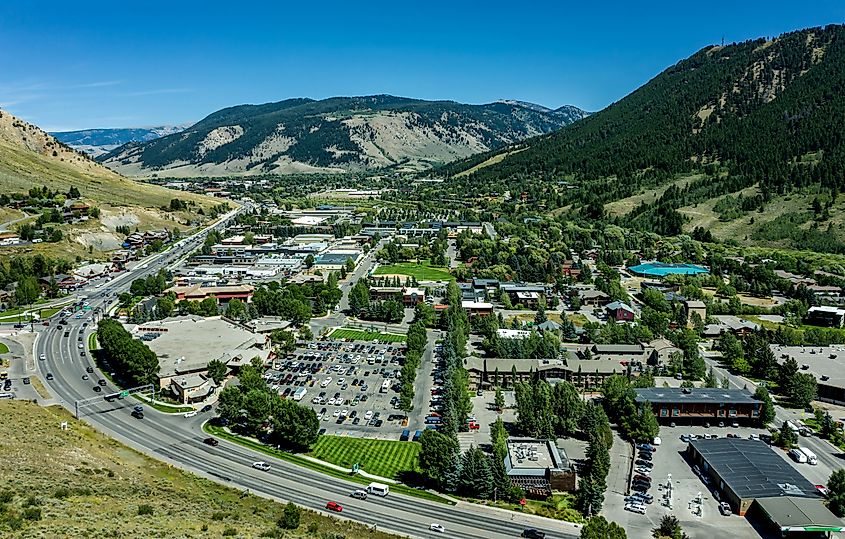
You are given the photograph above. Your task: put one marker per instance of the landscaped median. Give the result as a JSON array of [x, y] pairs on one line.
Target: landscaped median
[[299, 460]]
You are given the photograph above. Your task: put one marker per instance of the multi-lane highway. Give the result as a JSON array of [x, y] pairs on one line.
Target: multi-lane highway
[[179, 440]]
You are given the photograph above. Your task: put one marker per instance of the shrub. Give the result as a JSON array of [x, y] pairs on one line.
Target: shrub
[[61, 493], [218, 515], [31, 501], [32, 513], [290, 517], [230, 532], [145, 510], [6, 496], [312, 528]]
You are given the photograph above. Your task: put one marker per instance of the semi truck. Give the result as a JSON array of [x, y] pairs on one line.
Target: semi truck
[[811, 457]]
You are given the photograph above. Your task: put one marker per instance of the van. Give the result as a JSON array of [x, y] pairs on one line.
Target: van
[[798, 456], [379, 489]]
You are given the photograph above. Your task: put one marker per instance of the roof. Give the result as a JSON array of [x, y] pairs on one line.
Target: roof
[[695, 304], [548, 325], [476, 305], [696, 395], [532, 457], [616, 305], [660, 269], [618, 349], [826, 363], [751, 469], [334, 258], [799, 514]]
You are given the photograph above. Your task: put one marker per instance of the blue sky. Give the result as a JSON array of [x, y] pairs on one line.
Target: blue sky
[[68, 65]]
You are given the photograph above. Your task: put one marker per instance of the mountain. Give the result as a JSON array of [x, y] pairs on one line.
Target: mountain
[[29, 158], [764, 117], [96, 142], [336, 134]]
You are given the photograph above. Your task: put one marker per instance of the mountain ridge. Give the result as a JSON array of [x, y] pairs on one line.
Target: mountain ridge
[[99, 141], [334, 135]]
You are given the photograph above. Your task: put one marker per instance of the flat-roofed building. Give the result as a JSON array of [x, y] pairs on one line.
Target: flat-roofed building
[[700, 404], [832, 317], [223, 294], [538, 467], [477, 308], [826, 363]]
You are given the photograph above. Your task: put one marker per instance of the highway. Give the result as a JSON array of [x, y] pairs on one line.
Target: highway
[[178, 440]]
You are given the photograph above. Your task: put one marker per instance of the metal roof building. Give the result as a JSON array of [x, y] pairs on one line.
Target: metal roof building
[[701, 405], [744, 470], [796, 515]]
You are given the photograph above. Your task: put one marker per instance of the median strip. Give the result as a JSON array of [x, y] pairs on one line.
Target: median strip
[[220, 432]]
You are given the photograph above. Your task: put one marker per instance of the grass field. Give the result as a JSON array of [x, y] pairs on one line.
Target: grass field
[[81, 483], [361, 335], [420, 272], [4, 349], [385, 458], [92, 341]]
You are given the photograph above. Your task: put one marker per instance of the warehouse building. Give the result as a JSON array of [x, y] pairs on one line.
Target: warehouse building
[[826, 363], [743, 470], [701, 405]]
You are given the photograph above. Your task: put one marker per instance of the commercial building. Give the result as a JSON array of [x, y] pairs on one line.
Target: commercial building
[[660, 269], [334, 260], [410, 296], [512, 333], [832, 317], [477, 308], [184, 345], [695, 307], [701, 405], [223, 294], [538, 467], [743, 471], [826, 363], [191, 388], [791, 516]]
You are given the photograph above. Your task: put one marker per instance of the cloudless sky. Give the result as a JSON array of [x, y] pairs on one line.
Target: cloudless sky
[[74, 65]]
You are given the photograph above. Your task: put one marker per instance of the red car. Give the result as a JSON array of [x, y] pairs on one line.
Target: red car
[[334, 506]]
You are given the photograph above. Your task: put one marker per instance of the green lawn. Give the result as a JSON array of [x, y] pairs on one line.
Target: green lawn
[[4, 349], [385, 458], [361, 335], [420, 272], [92, 341]]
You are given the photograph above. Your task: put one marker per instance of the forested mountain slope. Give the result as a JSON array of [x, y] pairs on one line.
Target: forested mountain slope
[[769, 114], [341, 133]]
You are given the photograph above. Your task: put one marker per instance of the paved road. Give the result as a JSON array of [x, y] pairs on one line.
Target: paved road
[[177, 440], [829, 456]]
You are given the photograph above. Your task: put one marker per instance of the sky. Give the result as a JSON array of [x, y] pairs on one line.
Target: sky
[[68, 65]]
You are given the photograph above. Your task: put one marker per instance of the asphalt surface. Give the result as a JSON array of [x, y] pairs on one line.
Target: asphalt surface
[[178, 440]]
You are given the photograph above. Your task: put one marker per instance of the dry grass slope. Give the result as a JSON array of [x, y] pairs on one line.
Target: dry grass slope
[[83, 484]]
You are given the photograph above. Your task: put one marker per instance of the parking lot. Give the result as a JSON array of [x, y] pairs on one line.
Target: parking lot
[[352, 385], [689, 498]]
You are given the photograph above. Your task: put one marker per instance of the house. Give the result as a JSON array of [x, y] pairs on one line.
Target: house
[[728, 323], [63, 282], [661, 350], [619, 311], [90, 271], [592, 297], [695, 307], [549, 325]]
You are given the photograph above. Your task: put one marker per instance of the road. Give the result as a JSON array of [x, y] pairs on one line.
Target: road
[[827, 454], [177, 440]]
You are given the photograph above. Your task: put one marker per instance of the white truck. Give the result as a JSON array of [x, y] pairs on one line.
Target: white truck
[[299, 393], [798, 456], [812, 459]]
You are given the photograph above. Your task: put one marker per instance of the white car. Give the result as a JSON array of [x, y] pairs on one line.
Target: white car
[[192, 413], [261, 465], [368, 415], [42, 357], [635, 508], [340, 381], [437, 528], [345, 412], [336, 413]]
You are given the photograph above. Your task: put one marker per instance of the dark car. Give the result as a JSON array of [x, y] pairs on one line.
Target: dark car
[[531, 533], [26, 380], [135, 413], [49, 376], [211, 441], [97, 389], [206, 408], [101, 382], [89, 369]]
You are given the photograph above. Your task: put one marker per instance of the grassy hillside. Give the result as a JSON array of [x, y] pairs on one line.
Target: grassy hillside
[[29, 156], [759, 113], [79, 483]]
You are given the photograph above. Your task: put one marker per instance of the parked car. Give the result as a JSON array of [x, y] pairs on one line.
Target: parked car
[[725, 509]]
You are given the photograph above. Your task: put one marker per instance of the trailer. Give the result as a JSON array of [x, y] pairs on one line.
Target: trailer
[[812, 459]]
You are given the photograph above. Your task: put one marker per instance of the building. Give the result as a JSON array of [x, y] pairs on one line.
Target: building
[[334, 260], [513, 333], [538, 467], [701, 405], [660, 270], [790, 515], [185, 344], [728, 323], [477, 308], [831, 317], [191, 388], [661, 351], [826, 363], [695, 307], [619, 311], [592, 297], [223, 294], [743, 471], [411, 296]]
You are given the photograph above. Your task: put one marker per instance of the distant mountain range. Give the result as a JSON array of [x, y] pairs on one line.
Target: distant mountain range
[[337, 134], [96, 142]]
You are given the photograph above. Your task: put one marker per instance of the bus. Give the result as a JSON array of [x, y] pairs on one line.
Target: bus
[[385, 386], [299, 393]]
